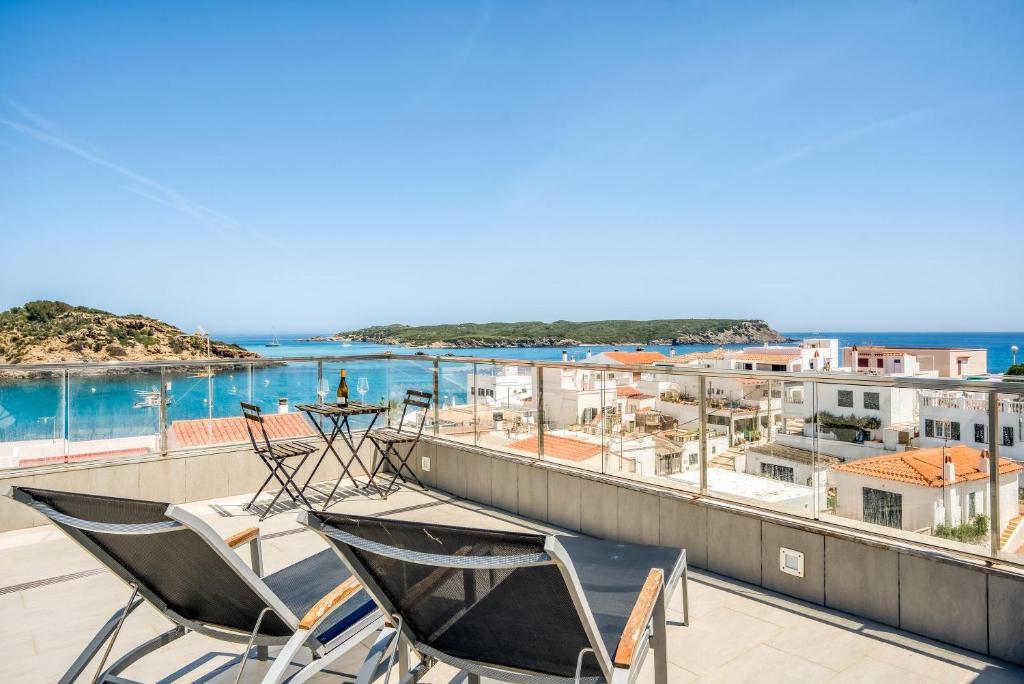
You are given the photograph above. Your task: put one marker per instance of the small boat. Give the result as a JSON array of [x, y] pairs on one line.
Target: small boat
[[274, 342], [148, 399], [345, 344]]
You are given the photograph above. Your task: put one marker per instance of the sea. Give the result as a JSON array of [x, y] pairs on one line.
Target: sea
[[114, 405]]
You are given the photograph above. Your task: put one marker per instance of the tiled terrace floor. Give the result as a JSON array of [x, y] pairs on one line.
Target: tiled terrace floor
[[53, 597]]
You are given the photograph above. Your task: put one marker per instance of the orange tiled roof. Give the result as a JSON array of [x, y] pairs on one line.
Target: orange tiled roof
[[635, 357], [203, 432], [627, 392], [767, 357], [924, 466], [560, 447]]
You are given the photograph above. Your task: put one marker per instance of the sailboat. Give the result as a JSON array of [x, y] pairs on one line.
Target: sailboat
[[274, 342]]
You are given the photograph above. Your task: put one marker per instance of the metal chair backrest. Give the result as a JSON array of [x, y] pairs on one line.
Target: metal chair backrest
[[450, 585], [178, 562], [418, 399], [254, 417]]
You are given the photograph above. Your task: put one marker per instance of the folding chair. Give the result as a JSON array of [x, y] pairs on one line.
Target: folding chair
[[509, 606], [274, 455], [387, 440], [181, 566]]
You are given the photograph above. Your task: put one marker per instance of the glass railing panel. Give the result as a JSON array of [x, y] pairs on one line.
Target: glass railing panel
[[113, 413], [413, 374], [749, 459], [32, 418], [503, 399], [457, 408]]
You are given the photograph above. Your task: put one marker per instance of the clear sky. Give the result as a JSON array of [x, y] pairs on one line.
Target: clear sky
[[318, 166]]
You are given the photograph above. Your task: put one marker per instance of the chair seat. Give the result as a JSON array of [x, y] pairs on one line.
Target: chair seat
[[289, 449], [302, 584], [612, 576], [389, 435]]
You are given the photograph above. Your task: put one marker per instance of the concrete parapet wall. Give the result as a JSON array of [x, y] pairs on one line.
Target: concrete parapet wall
[[956, 600]]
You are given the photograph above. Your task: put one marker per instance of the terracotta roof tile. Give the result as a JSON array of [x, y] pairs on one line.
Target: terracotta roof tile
[[924, 466], [633, 358], [205, 431], [560, 447]]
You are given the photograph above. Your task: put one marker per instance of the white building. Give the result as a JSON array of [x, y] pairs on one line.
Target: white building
[[962, 418], [919, 489], [503, 385]]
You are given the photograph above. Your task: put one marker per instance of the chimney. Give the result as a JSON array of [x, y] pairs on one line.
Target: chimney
[[948, 469], [282, 405], [672, 351], [984, 462], [565, 356], [853, 357], [589, 354]]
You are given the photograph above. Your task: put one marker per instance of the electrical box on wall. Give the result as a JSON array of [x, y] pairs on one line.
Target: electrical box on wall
[[425, 463], [791, 562]]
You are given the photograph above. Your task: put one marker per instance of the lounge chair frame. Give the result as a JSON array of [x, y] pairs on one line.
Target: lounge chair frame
[[649, 627], [303, 636]]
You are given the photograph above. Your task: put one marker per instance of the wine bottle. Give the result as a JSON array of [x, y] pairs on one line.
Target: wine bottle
[[343, 389]]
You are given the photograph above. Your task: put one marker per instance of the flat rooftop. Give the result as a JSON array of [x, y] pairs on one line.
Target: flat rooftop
[[53, 597]]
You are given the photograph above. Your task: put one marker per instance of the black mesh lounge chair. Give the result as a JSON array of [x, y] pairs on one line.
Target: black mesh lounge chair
[[275, 456], [510, 606], [393, 441], [197, 580]]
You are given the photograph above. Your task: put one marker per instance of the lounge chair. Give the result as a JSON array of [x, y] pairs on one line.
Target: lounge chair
[[509, 606], [180, 565]]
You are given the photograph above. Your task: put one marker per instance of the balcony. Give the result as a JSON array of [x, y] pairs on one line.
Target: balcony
[[738, 631], [169, 432]]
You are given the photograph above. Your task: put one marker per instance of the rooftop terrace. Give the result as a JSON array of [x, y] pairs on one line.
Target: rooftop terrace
[[738, 632]]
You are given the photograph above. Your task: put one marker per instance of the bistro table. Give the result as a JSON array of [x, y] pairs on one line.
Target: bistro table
[[339, 415]]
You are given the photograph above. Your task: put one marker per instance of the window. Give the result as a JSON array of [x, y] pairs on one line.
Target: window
[[845, 398], [929, 427], [1007, 436], [778, 366], [945, 429], [862, 362], [879, 362], [714, 450], [871, 400], [777, 472], [972, 505], [694, 458], [883, 508], [669, 464], [979, 433]]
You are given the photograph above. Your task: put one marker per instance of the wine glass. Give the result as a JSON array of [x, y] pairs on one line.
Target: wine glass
[[362, 386], [321, 391]]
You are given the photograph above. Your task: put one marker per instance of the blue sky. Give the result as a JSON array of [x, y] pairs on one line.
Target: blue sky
[[854, 166]]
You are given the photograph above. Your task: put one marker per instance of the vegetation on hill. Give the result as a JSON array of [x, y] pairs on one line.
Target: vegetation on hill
[[50, 331], [567, 333]]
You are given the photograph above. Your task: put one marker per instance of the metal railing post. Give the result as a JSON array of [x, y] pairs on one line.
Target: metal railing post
[[251, 381], [702, 410], [67, 414], [471, 389], [993, 470], [437, 395], [540, 412], [162, 415]]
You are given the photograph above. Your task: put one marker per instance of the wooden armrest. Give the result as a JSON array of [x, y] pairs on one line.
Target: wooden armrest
[[338, 595], [638, 618], [243, 537]]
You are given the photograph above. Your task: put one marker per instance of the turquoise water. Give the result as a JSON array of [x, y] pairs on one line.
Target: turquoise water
[[106, 406]]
